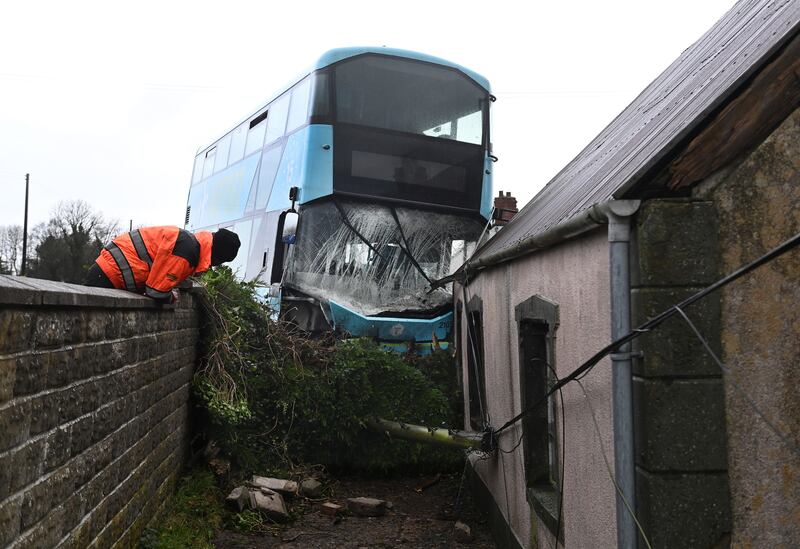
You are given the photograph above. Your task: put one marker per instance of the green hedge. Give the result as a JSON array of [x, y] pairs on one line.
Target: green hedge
[[275, 398]]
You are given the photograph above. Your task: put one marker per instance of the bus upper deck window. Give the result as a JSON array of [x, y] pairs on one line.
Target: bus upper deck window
[[320, 103], [443, 130], [255, 133], [470, 128], [197, 175], [238, 137], [298, 113], [276, 123], [208, 163], [223, 147]]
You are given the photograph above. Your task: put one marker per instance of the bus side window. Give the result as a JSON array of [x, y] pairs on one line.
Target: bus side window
[[298, 113], [197, 175], [222, 153], [255, 133], [278, 112], [238, 137], [208, 164], [321, 96]]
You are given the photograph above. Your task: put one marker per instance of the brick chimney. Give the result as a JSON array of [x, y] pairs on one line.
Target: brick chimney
[[505, 207]]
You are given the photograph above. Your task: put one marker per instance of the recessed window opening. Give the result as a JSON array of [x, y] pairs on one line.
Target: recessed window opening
[[539, 426], [475, 370], [537, 324]]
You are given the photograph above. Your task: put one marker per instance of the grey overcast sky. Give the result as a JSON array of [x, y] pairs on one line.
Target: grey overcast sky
[[108, 102]]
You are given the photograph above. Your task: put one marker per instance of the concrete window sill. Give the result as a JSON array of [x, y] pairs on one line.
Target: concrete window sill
[[544, 500]]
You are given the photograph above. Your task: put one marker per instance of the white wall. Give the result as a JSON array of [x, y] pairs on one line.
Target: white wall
[[575, 275]]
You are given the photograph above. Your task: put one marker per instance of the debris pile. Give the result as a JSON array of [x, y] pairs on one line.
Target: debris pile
[[269, 496], [266, 495]]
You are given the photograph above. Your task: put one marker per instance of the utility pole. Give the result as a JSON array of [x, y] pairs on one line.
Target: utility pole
[[25, 229]]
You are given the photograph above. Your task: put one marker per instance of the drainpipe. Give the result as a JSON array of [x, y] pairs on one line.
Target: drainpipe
[[619, 232]]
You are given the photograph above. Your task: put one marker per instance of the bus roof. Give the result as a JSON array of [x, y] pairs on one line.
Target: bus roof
[[339, 54], [335, 55]]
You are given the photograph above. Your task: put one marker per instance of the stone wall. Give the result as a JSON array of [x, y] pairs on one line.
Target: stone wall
[[94, 389], [758, 205], [679, 404]]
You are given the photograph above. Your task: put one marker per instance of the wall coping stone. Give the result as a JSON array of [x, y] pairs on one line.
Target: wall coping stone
[[20, 290]]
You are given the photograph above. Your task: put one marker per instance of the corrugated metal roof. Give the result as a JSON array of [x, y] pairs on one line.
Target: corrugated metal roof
[[673, 105]]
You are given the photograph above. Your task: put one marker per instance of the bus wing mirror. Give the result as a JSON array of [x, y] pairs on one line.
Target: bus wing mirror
[[289, 234]]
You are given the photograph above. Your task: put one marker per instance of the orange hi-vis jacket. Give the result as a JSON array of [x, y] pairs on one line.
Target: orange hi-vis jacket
[[153, 260]]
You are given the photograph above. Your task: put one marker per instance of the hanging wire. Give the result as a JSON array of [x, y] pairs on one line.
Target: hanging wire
[[508, 504], [770, 424], [473, 351], [580, 372], [457, 505], [563, 452], [584, 368], [608, 466]]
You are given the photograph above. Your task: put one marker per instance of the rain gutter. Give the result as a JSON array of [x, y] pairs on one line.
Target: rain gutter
[[588, 219]]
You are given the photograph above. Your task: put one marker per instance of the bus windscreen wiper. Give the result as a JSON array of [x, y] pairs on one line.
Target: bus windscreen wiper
[[349, 225], [406, 248]]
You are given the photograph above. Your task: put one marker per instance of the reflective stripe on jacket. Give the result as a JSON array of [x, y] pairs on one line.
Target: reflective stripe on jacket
[[153, 260]]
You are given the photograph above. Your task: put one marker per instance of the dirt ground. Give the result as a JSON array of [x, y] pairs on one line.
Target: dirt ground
[[417, 519]]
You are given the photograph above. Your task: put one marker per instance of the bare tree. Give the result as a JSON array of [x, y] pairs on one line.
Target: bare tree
[[77, 217], [10, 248], [69, 242]]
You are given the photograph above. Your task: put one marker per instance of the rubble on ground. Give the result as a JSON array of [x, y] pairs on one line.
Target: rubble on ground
[[366, 507], [462, 532], [311, 488], [331, 509], [269, 496], [269, 503], [239, 498], [411, 519], [287, 488]]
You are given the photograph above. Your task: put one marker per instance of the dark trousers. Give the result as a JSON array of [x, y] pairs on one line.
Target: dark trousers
[[96, 277]]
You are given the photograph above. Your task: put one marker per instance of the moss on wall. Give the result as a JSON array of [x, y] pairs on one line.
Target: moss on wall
[[758, 204]]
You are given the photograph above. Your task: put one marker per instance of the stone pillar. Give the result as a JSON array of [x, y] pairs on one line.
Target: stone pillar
[[679, 404]]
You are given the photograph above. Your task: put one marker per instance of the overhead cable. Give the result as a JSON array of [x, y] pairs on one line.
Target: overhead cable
[[656, 321], [770, 424]]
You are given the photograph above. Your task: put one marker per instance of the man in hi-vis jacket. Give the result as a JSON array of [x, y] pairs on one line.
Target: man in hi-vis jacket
[[154, 260]]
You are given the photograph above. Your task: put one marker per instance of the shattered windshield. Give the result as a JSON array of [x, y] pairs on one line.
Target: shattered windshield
[[375, 258]]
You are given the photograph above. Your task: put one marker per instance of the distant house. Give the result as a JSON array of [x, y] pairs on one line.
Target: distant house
[[697, 177]]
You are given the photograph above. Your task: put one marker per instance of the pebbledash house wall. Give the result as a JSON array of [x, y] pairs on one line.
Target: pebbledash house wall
[[575, 276], [94, 389]]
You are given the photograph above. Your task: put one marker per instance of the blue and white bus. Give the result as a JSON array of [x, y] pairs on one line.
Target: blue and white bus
[[385, 157]]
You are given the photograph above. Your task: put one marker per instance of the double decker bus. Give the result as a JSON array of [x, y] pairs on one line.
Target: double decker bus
[[353, 189]]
